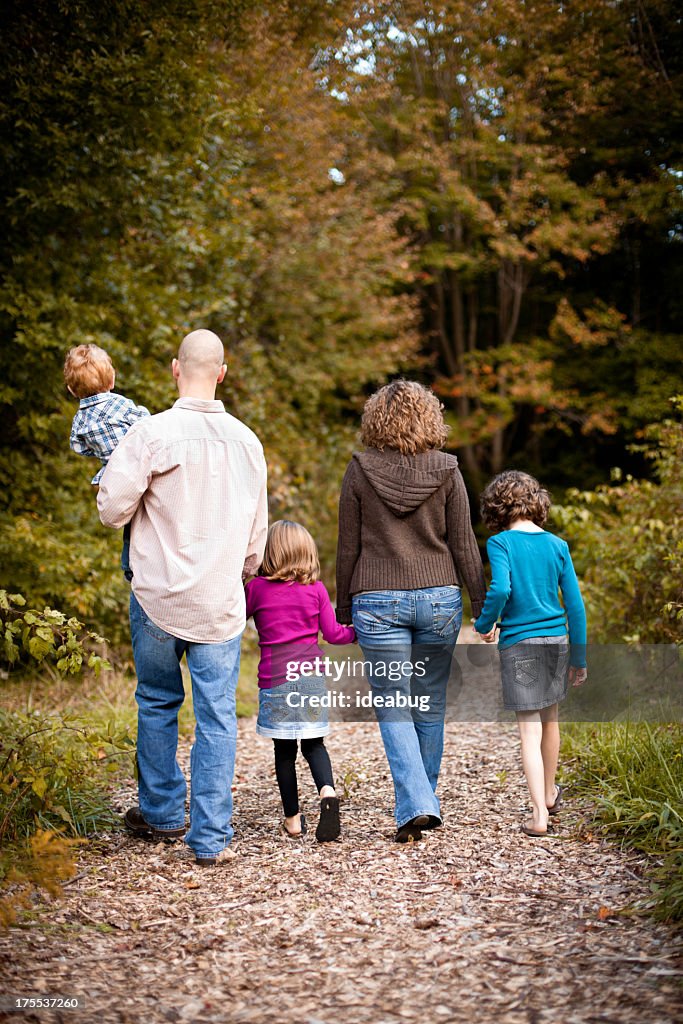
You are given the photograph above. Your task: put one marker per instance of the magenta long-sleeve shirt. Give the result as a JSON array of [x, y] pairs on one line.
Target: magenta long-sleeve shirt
[[288, 617]]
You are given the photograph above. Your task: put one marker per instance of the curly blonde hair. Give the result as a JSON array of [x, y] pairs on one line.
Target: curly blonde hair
[[403, 415], [291, 553], [514, 495]]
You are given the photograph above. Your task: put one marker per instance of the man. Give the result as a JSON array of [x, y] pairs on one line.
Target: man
[[192, 483]]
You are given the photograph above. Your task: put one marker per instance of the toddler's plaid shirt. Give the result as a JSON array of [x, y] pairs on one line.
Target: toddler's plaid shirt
[[100, 423]]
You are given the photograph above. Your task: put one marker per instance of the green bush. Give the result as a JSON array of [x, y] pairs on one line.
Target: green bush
[[627, 545], [46, 637], [48, 860], [634, 773], [53, 774]]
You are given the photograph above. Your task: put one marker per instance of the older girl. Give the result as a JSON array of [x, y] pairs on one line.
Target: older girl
[[529, 567]]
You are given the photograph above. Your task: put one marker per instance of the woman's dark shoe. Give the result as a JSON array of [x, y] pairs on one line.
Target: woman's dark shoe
[[408, 833], [432, 822], [137, 826], [296, 835], [329, 826]]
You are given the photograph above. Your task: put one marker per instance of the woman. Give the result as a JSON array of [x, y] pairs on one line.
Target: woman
[[405, 548]]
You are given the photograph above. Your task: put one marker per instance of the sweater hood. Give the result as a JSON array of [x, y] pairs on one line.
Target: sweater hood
[[404, 482]]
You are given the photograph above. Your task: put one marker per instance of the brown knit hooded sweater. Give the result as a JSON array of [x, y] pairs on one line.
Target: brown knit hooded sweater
[[404, 524]]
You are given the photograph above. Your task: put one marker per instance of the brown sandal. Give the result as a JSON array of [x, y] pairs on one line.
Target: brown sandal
[[555, 809], [535, 834]]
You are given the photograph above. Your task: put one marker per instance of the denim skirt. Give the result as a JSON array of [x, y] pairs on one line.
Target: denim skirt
[[534, 673], [292, 710]]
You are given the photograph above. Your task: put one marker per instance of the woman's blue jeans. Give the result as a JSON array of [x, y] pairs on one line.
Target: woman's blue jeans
[[407, 638], [160, 693]]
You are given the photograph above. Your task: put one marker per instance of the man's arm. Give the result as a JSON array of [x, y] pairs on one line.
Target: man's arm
[[259, 530], [125, 479]]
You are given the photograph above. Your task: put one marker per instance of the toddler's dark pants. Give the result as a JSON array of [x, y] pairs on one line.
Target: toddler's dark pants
[[315, 752]]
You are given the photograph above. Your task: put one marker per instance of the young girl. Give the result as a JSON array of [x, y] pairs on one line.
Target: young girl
[[528, 565], [290, 605]]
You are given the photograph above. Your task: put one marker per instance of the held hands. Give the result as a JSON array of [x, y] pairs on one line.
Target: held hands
[[489, 637], [577, 676]]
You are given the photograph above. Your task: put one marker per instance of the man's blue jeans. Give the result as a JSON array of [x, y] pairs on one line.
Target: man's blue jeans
[[408, 637], [160, 693]]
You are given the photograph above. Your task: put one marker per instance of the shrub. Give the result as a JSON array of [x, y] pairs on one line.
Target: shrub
[[30, 636], [47, 863], [52, 774], [627, 545]]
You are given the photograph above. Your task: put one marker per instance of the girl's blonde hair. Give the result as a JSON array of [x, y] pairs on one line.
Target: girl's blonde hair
[[514, 495], [403, 415], [291, 554], [88, 370]]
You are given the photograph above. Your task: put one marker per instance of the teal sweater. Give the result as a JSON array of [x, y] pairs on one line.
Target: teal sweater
[[527, 570]]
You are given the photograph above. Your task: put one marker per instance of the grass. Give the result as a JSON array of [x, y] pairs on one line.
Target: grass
[[62, 741], [634, 774]]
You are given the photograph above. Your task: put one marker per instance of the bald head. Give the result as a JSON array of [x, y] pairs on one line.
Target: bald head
[[200, 364], [201, 354]]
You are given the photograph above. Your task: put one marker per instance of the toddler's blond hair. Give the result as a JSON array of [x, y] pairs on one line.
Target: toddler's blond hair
[[88, 370]]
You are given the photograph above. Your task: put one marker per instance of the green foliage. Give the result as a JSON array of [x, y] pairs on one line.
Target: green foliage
[[170, 167], [53, 773], [206, 201], [634, 773], [534, 154], [627, 545], [46, 637]]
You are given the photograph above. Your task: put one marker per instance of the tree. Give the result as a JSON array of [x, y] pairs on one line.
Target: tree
[[146, 195], [487, 126]]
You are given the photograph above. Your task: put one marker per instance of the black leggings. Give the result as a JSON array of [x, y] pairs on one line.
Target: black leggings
[[285, 769]]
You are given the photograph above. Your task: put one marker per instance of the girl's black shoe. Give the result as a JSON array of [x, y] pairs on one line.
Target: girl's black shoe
[[329, 826], [296, 835]]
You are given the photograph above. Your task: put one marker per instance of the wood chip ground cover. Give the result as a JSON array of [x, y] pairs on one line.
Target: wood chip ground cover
[[477, 923]]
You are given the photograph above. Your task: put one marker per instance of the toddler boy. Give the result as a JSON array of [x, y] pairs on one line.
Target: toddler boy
[[103, 418]]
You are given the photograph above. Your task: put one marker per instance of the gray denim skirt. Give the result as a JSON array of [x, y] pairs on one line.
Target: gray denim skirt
[[292, 711], [534, 672]]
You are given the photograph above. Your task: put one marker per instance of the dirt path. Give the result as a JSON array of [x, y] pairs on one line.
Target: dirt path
[[475, 924]]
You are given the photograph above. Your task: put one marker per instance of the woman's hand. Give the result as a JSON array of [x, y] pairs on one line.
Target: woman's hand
[[577, 676], [489, 637]]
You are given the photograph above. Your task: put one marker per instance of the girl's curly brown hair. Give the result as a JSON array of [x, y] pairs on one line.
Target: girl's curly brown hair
[[403, 415], [514, 495]]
